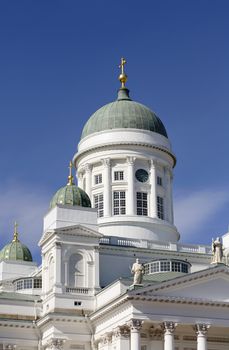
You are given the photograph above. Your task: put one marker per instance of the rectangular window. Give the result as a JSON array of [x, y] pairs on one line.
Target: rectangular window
[[160, 207], [142, 203], [98, 179], [37, 283], [27, 284], [165, 265], [20, 285], [159, 181], [176, 266], [118, 175], [119, 202], [98, 203]]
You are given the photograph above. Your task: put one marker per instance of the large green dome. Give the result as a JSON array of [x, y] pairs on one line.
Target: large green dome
[[123, 113], [15, 250], [71, 195]]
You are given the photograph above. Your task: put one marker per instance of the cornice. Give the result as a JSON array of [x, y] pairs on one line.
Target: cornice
[[79, 155]]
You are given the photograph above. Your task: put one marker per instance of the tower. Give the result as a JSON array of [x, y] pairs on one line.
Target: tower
[[125, 165]]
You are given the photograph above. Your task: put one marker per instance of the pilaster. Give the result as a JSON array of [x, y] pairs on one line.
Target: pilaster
[[55, 344], [153, 189], [57, 268], [107, 186], [131, 196], [88, 170]]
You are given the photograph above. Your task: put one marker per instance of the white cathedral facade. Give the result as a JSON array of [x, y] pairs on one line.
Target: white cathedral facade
[[114, 275]]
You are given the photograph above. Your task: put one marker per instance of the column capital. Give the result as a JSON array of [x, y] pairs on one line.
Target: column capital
[[106, 162], [121, 331], [88, 167], [135, 324], [201, 328], [153, 163], [169, 327], [10, 346], [55, 344], [130, 160], [106, 338]]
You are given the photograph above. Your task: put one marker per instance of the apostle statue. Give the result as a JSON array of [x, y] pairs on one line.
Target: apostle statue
[[217, 251], [138, 271]]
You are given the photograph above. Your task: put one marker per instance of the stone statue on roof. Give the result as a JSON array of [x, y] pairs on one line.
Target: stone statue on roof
[[217, 251], [138, 271]]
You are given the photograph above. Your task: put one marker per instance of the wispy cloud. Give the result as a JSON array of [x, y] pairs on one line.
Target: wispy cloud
[[194, 209], [26, 205]]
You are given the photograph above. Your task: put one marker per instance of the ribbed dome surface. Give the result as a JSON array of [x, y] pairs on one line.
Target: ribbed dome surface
[[16, 251], [71, 195], [123, 113]]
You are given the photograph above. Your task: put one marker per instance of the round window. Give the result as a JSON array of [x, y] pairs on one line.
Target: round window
[[141, 175]]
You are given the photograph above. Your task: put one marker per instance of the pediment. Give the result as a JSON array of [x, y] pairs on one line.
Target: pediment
[[79, 230], [211, 284]]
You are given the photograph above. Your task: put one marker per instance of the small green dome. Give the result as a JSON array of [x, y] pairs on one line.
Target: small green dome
[[123, 113], [71, 195], [15, 250]]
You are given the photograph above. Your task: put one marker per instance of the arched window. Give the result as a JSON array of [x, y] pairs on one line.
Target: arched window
[[76, 271]]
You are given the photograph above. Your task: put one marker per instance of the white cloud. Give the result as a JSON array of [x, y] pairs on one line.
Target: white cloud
[[26, 205], [194, 209]]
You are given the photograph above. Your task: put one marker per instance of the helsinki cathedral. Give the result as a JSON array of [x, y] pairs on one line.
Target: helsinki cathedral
[[113, 274]]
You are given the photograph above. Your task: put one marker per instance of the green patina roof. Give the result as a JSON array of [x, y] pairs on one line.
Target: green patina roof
[[123, 113], [16, 251], [71, 195]]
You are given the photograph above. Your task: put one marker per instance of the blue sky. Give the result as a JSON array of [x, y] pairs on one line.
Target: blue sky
[[59, 63]]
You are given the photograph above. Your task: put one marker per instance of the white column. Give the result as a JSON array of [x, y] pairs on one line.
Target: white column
[[201, 331], [169, 328], [168, 194], [153, 190], [88, 168], [66, 273], [107, 186], [80, 179], [131, 196], [135, 338], [57, 267]]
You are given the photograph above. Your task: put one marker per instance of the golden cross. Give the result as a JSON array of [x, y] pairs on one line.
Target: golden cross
[[123, 62], [122, 76], [15, 239], [70, 177]]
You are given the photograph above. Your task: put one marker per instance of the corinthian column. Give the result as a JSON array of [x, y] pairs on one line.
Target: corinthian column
[[201, 331], [88, 168], [153, 190], [135, 326], [169, 328], [169, 214], [131, 200], [107, 186]]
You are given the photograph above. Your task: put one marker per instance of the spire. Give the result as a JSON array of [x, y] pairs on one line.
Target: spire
[[123, 92], [122, 76], [70, 177], [15, 239]]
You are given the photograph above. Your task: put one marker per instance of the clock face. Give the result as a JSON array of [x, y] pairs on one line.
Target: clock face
[[141, 175]]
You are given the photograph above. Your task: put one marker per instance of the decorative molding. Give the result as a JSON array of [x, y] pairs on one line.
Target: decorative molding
[[155, 332], [135, 325], [201, 328], [106, 338], [169, 327], [130, 160], [55, 344], [88, 167], [10, 346], [143, 144], [106, 162], [121, 331]]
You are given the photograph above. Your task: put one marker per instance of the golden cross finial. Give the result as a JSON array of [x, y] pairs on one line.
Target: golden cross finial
[[70, 177], [122, 76], [15, 239]]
